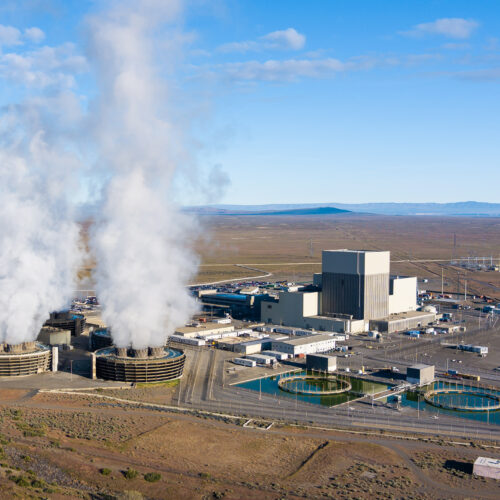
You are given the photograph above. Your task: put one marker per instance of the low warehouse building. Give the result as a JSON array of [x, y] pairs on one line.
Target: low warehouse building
[[321, 363], [305, 345], [420, 374], [487, 467], [403, 321], [204, 329], [262, 359]]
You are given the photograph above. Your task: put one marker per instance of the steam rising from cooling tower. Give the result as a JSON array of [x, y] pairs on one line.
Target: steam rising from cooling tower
[[38, 241], [139, 241]]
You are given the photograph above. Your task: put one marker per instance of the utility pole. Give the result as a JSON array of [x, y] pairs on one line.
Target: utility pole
[[442, 281]]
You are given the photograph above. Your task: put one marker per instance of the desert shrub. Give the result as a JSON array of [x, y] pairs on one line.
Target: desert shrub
[[105, 471], [20, 481], [38, 483], [152, 477], [130, 473]]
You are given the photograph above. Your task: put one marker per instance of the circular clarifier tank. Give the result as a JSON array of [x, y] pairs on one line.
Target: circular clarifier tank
[[27, 358], [156, 364]]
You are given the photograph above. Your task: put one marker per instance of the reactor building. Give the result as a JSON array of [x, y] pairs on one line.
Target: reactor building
[[354, 292]]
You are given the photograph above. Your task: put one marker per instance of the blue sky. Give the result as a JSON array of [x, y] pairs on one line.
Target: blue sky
[[320, 101]]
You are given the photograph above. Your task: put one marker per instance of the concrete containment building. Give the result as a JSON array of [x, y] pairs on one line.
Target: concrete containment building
[[321, 362], [420, 374], [356, 282]]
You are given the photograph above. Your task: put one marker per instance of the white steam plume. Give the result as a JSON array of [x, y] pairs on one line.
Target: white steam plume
[[140, 238], [39, 241]]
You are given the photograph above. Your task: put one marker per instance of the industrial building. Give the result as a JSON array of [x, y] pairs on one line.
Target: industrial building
[[304, 345], [280, 356], [262, 359], [321, 363], [204, 329], [239, 305], [67, 320], [420, 374], [402, 321], [54, 336], [353, 293]]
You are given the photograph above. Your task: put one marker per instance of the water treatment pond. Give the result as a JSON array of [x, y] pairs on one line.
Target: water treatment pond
[[269, 385]]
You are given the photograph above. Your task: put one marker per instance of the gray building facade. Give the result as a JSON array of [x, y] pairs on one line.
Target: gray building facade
[[355, 282]]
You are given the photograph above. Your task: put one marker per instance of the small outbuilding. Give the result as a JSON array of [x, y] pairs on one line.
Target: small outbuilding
[[487, 467], [321, 362], [420, 374]]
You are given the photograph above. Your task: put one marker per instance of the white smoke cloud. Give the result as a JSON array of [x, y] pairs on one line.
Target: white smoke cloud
[[140, 238], [39, 243]]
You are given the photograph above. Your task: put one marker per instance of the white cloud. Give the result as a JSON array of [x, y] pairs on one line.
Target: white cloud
[[34, 34], [9, 35], [289, 39], [44, 67], [288, 70], [450, 27]]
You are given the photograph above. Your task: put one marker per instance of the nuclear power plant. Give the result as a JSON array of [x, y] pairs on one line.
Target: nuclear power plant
[[27, 358], [153, 364]]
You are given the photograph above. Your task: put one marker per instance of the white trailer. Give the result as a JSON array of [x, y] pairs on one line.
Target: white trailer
[[245, 362]]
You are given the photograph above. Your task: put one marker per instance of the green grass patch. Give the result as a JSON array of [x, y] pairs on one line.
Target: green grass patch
[[105, 471]]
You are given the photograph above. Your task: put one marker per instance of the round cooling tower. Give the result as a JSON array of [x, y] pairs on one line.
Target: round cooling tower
[[156, 364], [27, 358]]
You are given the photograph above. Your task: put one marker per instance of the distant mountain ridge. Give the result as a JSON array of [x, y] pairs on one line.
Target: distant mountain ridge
[[293, 211], [463, 208]]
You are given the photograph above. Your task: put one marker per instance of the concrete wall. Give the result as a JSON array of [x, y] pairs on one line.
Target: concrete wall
[[403, 294], [291, 308], [361, 296]]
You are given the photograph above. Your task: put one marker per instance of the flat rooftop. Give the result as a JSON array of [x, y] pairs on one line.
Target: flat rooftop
[[203, 328], [327, 356], [421, 366], [407, 315], [489, 462], [309, 339]]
